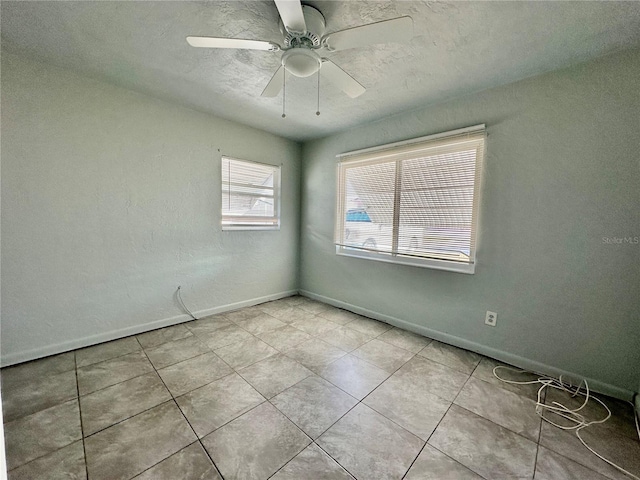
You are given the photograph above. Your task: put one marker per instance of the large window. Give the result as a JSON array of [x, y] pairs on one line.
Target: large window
[[413, 202], [250, 195]]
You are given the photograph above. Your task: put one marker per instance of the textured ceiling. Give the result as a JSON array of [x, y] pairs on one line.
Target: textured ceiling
[[458, 48]]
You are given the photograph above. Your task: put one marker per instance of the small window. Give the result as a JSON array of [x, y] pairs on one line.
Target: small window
[[250, 195], [413, 202]]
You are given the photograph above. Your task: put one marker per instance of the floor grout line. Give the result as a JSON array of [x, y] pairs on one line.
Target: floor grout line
[[427, 440], [535, 461], [107, 359], [453, 459], [84, 448], [414, 460], [334, 459], [305, 433], [198, 439]]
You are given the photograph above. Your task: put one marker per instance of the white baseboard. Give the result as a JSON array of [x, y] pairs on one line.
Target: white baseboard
[[506, 357], [20, 357]]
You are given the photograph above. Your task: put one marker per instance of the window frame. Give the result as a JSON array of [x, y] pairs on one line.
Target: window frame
[[277, 191], [368, 155]]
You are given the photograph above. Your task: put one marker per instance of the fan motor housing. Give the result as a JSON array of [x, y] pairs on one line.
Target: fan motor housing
[[315, 30]]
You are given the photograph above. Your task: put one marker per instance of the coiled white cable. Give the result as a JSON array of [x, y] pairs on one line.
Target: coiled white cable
[[578, 421]]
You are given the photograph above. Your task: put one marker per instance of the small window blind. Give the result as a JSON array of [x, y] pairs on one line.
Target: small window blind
[[413, 202], [250, 195]]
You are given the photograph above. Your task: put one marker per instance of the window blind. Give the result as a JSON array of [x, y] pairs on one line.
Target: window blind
[[250, 194], [414, 200]]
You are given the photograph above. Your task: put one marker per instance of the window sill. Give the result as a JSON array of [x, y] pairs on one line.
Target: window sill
[[468, 268], [249, 227]]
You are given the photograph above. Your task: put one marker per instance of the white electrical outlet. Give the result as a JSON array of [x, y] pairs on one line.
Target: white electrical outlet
[[491, 319]]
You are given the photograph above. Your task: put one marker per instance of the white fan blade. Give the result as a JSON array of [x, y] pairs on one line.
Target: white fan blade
[[291, 14], [341, 79], [399, 30], [275, 84], [214, 42]]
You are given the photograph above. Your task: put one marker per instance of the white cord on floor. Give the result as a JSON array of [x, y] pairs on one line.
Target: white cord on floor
[[183, 305], [574, 416]]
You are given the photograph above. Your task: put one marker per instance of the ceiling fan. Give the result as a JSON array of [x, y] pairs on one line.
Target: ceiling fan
[[303, 28]]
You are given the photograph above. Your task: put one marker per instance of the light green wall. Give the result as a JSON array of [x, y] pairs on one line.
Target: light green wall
[[110, 200], [562, 172]]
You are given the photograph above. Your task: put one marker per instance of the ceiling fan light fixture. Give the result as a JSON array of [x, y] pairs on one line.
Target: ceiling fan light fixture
[[301, 62]]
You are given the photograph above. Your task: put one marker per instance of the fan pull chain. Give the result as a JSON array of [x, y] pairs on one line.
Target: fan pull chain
[[318, 110], [284, 90]]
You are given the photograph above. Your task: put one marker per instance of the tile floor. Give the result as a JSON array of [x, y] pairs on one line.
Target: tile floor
[[291, 389]]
